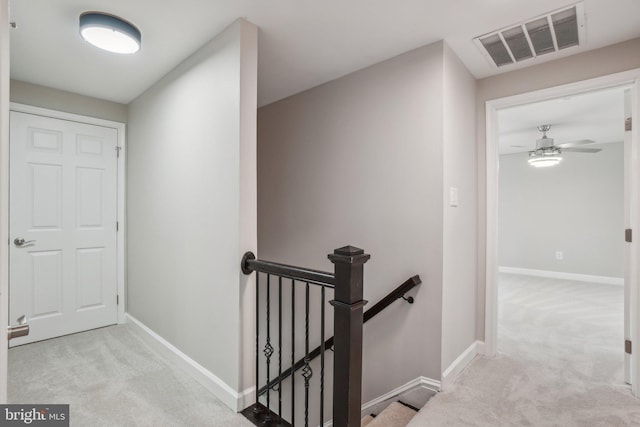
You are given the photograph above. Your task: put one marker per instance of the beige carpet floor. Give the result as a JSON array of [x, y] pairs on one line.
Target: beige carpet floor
[[111, 378], [560, 362]]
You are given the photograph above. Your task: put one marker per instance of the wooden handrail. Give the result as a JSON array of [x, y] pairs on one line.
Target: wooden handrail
[[250, 263]]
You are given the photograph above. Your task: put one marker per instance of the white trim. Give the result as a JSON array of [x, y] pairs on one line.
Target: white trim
[[121, 241], [420, 382], [245, 398], [482, 348], [4, 194], [233, 399], [63, 115], [604, 280], [491, 254], [120, 215], [618, 79], [460, 363], [634, 248], [630, 77]]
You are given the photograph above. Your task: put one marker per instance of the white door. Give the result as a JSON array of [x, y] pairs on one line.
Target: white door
[[62, 220]]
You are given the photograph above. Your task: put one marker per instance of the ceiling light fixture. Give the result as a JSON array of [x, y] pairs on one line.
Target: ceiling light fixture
[[546, 154], [110, 32], [544, 162]]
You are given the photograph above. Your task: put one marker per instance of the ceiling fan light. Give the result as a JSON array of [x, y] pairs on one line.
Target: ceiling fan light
[[110, 32], [544, 162]]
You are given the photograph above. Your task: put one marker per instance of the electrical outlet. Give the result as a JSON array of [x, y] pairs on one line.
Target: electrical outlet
[[559, 255]]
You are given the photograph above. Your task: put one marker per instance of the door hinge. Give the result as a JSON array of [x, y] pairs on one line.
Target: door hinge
[[627, 124], [627, 346], [117, 299], [118, 151], [117, 226], [628, 235]]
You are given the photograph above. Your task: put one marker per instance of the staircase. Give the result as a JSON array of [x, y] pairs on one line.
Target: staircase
[[397, 414], [296, 395]]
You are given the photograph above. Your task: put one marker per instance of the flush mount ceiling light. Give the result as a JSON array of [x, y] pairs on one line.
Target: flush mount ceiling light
[[109, 32]]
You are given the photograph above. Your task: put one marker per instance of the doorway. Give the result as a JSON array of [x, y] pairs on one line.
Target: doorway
[[66, 240], [492, 255], [561, 251]]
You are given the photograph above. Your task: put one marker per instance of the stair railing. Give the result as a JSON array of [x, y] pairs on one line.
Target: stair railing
[[347, 284], [397, 293]]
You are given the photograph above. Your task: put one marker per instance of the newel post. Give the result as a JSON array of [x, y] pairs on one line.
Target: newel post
[[349, 307]]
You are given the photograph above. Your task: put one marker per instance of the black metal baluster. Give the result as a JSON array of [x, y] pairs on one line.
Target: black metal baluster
[[293, 351], [349, 316], [256, 409], [280, 346], [307, 373], [322, 357], [268, 348]]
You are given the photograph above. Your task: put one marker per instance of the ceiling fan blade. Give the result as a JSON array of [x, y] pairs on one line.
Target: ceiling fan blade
[[575, 143], [581, 150]]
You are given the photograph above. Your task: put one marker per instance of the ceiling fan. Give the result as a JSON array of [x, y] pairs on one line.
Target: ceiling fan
[[547, 153]]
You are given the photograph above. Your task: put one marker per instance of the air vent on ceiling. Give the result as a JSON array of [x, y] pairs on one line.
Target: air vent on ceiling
[[552, 32]]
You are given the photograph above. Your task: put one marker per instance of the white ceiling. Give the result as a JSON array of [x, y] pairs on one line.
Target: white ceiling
[[598, 116], [303, 43]]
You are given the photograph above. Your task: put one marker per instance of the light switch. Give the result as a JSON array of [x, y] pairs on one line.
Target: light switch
[[453, 197]]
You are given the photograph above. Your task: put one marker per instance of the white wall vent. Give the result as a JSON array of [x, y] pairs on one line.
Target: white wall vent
[[549, 33]]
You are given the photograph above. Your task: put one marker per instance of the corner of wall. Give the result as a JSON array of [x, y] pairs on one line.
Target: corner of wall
[[460, 216], [248, 196], [192, 205], [460, 363]]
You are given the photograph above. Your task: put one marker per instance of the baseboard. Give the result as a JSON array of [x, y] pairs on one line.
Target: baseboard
[[245, 399], [460, 363], [420, 382], [234, 400], [605, 280], [414, 386], [482, 348]]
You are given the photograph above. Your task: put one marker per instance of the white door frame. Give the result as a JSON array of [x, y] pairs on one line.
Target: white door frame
[[491, 274], [4, 193], [120, 239]]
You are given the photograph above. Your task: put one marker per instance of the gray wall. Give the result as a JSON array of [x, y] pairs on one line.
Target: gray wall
[[460, 223], [191, 177], [59, 100], [359, 161], [576, 207], [595, 63]]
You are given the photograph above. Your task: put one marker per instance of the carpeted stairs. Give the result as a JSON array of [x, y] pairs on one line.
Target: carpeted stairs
[[397, 414]]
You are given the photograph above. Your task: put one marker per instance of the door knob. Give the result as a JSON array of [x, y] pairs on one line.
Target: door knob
[[21, 330], [19, 241]]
